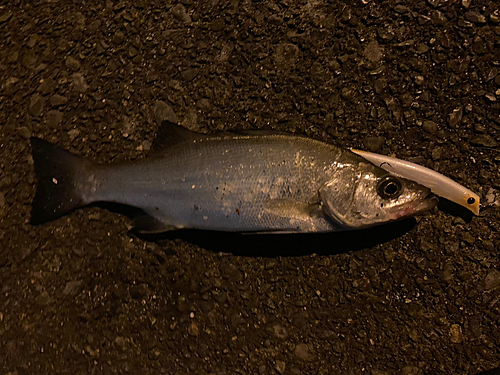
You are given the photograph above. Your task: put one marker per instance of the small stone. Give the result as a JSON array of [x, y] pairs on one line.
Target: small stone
[[475, 17], [24, 132], [190, 119], [121, 341], [430, 127], [54, 118], [189, 74], [464, 275], [438, 18], [79, 82], [72, 63], [495, 16], [401, 8], [456, 334], [373, 143], [493, 197], [303, 352], [5, 17], [280, 332], [47, 86], [280, 366], [119, 6], [422, 48], [438, 3], [146, 145], [490, 97], [380, 85], [479, 128], [36, 104], [47, 55], [41, 67], [425, 96], [386, 34], [286, 55], [411, 370], [32, 41], [72, 288], [137, 60], [483, 140], [236, 320], [127, 16], [452, 81], [117, 37], [152, 77], [373, 52], [179, 12], [29, 59], [455, 117], [12, 56], [346, 15], [492, 73], [492, 280], [419, 80], [163, 111], [348, 93], [128, 128], [10, 86], [204, 105], [413, 334], [58, 100], [217, 25], [466, 3], [73, 134], [2, 201], [132, 51], [225, 52], [193, 329]]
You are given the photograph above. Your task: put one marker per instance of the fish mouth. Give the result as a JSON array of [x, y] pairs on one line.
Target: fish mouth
[[417, 207]]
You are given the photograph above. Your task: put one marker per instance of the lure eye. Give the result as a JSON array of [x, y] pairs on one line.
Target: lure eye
[[471, 200], [389, 187]]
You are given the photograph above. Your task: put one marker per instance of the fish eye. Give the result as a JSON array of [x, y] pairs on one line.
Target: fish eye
[[471, 200], [389, 187]]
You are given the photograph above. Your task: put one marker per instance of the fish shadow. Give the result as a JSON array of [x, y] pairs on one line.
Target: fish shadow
[[287, 245], [455, 209]]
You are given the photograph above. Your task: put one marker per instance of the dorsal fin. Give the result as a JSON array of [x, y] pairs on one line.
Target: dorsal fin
[[170, 134]]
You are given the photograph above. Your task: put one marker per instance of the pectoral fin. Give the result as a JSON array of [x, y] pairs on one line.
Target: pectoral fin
[[293, 209], [146, 224]]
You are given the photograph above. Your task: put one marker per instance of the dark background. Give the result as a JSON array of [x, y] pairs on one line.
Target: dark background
[[415, 79]]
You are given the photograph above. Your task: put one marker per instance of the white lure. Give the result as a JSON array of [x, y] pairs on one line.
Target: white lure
[[439, 184]]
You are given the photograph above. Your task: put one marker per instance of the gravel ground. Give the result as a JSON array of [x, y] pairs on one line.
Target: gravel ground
[[416, 79]]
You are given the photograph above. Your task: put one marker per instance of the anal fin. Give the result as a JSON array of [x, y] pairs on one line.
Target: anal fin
[[146, 224]]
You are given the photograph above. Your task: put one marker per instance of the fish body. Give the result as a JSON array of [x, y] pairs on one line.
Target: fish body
[[255, 182]]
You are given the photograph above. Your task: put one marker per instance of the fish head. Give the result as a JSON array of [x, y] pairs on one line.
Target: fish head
[[370, 196]]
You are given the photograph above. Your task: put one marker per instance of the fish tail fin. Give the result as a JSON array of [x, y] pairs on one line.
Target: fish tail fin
[[55, 169]]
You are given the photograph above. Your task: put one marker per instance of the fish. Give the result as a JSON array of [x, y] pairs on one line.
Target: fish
[[248, 181], [439, 184]]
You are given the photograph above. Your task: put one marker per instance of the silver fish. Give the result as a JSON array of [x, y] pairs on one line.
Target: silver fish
[[249, 182]]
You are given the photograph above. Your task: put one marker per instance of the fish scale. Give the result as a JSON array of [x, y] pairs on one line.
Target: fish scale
[[218, 183]]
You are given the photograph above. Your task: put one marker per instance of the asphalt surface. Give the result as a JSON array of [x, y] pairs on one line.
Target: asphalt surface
[[415, 79]]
